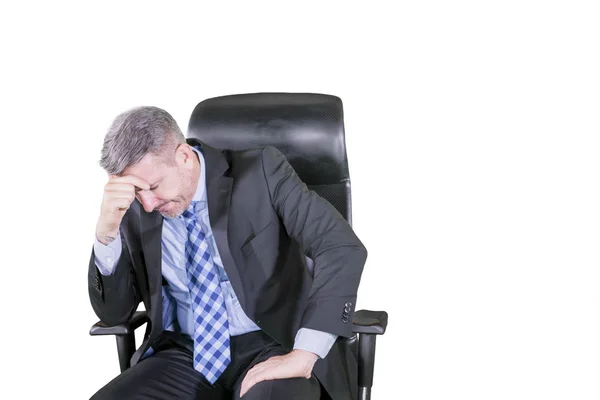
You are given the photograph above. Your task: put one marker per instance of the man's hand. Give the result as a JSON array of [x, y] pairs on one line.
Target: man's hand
[[297, 364], [119, 193]]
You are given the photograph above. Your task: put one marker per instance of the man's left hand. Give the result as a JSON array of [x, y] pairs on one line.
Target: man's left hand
[[297, 364]]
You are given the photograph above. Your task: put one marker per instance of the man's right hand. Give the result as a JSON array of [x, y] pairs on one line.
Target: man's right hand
[[119, 193]]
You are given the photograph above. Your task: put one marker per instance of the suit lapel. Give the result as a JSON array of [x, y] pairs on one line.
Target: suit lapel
[[151, 232], [218, 188], [151, 236]]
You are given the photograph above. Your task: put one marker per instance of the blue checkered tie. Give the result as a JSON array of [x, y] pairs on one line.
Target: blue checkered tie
[[211, 328]]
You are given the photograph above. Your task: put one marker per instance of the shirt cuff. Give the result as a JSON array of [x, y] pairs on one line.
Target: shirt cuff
[[106, 257], [316, 342]]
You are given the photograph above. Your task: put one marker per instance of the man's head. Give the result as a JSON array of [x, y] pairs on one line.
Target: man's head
[[147, 143]]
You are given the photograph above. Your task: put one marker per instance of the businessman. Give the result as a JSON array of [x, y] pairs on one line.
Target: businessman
[[213, 242]]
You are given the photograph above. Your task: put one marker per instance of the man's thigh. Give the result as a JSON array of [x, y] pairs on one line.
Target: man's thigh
[[283, 389], [165, 375]]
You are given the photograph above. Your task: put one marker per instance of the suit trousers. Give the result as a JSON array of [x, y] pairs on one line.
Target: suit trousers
[[169, 374]]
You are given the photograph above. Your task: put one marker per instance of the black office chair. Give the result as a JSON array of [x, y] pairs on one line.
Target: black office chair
[[309, 130]]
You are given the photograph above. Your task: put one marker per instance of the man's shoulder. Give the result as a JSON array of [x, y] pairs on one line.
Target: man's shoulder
[[250, 155], [258, 152], [251, 152]]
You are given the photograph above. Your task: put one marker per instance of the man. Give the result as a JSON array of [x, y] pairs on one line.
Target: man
[[214, 243]]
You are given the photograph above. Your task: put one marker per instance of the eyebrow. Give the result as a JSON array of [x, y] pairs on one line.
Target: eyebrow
[[137, 189]]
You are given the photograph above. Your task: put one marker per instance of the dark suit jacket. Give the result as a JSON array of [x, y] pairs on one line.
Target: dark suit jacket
[[264, 220]]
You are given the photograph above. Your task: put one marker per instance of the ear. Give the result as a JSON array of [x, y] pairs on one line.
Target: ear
[[184, 154]]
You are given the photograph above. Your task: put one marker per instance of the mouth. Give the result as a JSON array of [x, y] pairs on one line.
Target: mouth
[[163, 207]]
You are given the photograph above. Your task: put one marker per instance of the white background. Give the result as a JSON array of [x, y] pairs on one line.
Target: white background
[[472, 132]]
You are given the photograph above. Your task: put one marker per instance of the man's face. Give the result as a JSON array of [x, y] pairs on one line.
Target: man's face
[[172, 181]]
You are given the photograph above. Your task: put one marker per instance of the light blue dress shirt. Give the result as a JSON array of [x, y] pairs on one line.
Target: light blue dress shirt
[[177, 309]]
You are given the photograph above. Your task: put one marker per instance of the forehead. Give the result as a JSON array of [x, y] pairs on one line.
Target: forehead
[[150, 168]]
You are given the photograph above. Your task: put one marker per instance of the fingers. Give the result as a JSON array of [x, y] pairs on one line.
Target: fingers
[[252, 377], [125, 192], [260, 369], [119, 193], [118, 196], [265, 371], [120, 204], [119, 187], [129, 179]]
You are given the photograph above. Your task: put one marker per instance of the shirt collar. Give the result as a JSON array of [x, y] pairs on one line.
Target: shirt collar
[[200, 194]]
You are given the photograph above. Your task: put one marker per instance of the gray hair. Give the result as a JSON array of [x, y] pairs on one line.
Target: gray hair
[[136, 133]]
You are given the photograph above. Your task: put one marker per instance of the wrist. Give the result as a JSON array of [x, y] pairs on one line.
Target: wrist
[[307, 358], [106, 238]]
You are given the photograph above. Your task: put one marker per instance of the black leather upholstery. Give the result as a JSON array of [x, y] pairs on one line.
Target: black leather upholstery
[[307, 128]]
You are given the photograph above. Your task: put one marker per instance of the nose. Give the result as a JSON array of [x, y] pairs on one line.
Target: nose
[[148, 200]]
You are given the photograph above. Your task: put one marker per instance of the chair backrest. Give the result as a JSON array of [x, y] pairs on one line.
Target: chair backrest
[[307, 128]]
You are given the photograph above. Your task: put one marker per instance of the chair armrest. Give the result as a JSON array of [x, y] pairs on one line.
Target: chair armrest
[[368, 324], [125, 336], [371, 322], [139, 318]]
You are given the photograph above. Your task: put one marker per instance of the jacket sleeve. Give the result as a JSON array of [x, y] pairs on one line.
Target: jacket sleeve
[[114, 297], [326, 237]]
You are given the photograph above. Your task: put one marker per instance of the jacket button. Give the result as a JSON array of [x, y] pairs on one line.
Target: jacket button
[[345, 319], [348, 304]]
